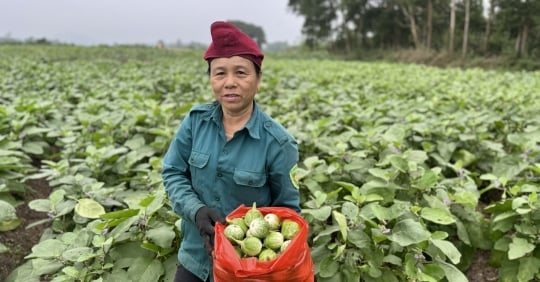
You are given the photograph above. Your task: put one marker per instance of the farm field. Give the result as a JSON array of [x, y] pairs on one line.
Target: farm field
[[408, 172]]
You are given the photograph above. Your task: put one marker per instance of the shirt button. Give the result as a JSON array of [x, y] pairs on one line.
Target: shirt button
[[217, 199], [219, 174], [250, 182]]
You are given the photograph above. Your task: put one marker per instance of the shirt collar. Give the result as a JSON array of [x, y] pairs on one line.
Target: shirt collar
[[251, 126]]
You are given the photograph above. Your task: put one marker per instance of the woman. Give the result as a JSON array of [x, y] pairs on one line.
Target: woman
[[226, 153]]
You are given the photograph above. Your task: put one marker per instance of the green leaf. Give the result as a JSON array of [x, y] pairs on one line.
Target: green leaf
[[40, 205], [328, 267], [519, 248], [448, 249], [399, 163], [528, 268], [359, 239], [89, 208], [437, 215], [35, 148], [162, 236], [50, 248], [428, 180], [7, 211], [321, 214], [350, 210], [342, 223], [71, 271], [146, 269], [10, 224], [408, 232], [75, 253], [451, 272], [120, 214]]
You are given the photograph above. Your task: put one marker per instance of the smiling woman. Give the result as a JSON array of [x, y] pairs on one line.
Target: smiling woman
[[227, 153]]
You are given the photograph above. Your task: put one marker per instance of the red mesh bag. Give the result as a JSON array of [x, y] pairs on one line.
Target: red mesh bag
[[294, 264]]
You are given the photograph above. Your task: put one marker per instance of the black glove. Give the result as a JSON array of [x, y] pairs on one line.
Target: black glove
[[205, 218]]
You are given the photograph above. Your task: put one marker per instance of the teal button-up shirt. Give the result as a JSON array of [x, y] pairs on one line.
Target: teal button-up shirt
[[201, 168]]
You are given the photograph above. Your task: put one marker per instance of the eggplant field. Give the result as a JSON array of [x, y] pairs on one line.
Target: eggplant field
[[408, 172]]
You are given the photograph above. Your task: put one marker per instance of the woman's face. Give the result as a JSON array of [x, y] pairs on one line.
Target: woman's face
[[234, 82]]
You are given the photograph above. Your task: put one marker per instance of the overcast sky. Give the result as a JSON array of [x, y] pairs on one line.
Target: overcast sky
[[141, 21]]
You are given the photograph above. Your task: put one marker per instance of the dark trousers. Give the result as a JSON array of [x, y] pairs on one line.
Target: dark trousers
[[183, 275]]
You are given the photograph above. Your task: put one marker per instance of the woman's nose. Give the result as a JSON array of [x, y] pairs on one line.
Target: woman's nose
[[230, 81]]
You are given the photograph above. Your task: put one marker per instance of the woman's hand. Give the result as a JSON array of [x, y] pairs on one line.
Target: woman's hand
[[206, 218]]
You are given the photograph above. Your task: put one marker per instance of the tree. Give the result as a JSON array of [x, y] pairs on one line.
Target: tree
[[253, 31], [517, 19], [408, 9], [466, 28], [489, 22], [429, 24], [452, 26], [318, 18]]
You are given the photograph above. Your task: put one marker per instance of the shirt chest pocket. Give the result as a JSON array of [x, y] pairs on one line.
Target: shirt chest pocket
[[198, 159], [249, 178]]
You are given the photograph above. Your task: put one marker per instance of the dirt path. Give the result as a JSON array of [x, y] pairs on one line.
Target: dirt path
[[21, 240]]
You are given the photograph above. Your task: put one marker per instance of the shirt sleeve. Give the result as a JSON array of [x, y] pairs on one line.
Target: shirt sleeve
[[176, 175], [284, 191]]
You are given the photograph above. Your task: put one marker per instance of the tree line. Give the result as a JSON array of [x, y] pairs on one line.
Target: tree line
[[465, 27]]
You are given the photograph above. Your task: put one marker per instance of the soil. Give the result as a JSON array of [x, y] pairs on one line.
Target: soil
[[21, 240]]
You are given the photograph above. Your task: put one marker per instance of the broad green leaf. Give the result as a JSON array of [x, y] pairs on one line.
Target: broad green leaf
[[428, 180], [71, 271], [65, 207], [328, 267], [320, 214], [392, 259], [8, 225], [448, 249], [57, 196], [519, 248], [41, 205], [146, 269], [380, 173], [51, 248], [399, 163], [342, 223], [75, 253], [89, 208], [408, 232], [440, 216], [417, 156], [395, 134], [123, 226], [46, 266], [502, 244], [162, 236], [7, 211], [528, 268], [451, 272], [120, 214], [359, 239], [35, 148], [350, 210]]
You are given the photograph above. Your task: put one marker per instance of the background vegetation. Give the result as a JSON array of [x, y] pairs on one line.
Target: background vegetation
[[406, 176]]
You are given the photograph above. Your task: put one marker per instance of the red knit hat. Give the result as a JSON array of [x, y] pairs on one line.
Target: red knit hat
[[228, 41]]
